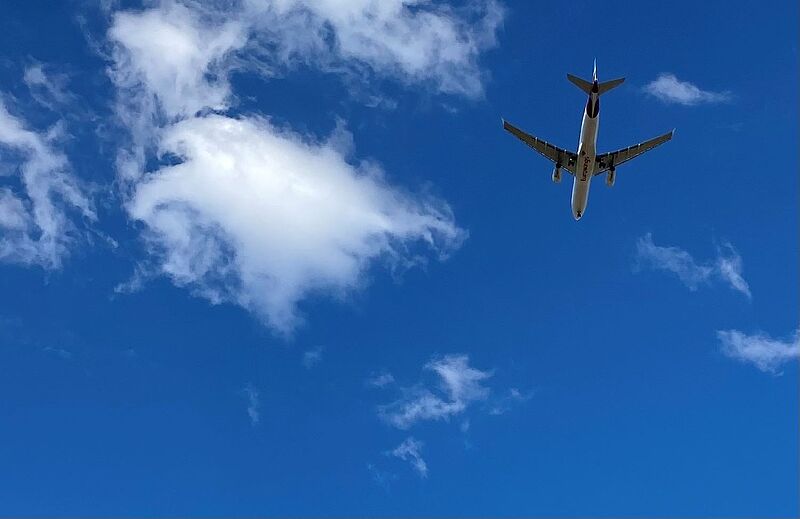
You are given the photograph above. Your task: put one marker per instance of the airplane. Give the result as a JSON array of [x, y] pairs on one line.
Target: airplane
[[586, 163]]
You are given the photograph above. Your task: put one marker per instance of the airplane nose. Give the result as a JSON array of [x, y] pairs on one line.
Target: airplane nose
[[577, 215]]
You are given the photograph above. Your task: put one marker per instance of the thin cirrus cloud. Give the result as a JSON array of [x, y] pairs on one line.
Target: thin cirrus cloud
[[458, 387], [381, 379], [410, 450], [47, 87], [726, 267], [759, 349], [414, 42], [255, 214], [36, 226], [669, 89], [253, 399], [312, 357]]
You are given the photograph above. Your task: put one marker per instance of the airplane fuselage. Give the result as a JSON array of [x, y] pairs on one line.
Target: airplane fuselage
[[586, 163], [587, 150]]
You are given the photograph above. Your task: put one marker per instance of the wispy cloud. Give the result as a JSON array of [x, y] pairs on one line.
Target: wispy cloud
[[413, 42], [253, 403], [459, 386], [48, 88], [258, 215], [381, 477], [504, 403], [36, 227], [668, 88], [60, 352], [312, 357], [761, 350], [727, 266], [411, 451], [381, 379]]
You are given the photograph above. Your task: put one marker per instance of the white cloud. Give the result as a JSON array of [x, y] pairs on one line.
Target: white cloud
[[460, 384], [312, 357], [381, 379], [253, 214], [47, 87], [411, 451], [34, 225], [175, 56], [381, 477], [412, 40], [504, 403], [460, 381], [253, 403], [259, 217], [670, 89], [759, 349], [726, 267], [729, 269]]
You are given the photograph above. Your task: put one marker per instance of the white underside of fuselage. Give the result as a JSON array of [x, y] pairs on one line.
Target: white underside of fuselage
[[587, 149]]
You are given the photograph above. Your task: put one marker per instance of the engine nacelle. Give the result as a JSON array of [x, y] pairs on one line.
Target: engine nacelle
[[557, 174], [611, 177]]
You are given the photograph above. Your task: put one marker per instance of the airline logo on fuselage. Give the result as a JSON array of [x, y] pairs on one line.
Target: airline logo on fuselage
[[585, 171]]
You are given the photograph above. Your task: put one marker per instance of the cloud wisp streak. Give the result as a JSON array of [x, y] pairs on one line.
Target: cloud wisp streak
[[458, 387], [241, 211], [312, 357], [381, 379], [411, 451], [759, 349], [726, 267], [253, 399], [410, 41], [36, 216], [669, 89]]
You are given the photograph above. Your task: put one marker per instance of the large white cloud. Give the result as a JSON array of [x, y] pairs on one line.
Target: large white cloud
[[258, 215], [37, 196], [181, 53]]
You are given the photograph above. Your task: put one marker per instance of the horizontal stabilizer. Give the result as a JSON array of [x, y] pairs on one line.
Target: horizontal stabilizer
[[605, 86], [584, 85]]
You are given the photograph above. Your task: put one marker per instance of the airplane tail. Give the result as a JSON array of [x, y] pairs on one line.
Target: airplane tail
[[589, 87]]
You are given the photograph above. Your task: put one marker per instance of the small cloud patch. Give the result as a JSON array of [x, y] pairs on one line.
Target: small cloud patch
[[760, 350], [669, 89]]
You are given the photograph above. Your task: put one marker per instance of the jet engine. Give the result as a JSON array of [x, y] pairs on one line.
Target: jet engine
[[611, 176], [557, 174]]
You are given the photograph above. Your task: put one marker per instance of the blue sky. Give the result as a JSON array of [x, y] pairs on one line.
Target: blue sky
[[280, 258]]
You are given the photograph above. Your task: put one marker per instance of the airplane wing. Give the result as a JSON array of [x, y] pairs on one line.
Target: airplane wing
[[567, 159], [604, 162]]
